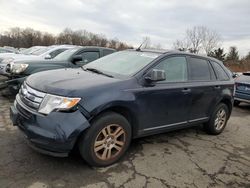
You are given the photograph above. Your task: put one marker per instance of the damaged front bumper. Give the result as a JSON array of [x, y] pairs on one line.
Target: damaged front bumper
[[54, 134]]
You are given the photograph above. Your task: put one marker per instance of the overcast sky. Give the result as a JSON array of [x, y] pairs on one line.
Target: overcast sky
[[163, 21]]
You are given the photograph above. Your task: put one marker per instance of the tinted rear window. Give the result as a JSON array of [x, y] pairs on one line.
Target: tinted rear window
[[199, 69], [107, 52], [220, 72]]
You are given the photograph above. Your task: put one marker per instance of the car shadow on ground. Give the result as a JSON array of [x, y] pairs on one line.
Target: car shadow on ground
[[244, 106], [75, 159]]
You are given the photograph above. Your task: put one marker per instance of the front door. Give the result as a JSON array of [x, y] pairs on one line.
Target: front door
[[166, 103]]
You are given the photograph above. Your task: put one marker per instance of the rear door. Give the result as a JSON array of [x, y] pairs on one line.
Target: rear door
[[204, 88]]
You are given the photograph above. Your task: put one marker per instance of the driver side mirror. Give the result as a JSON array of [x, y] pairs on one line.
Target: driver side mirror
[[76, 58], [156, 75], [48, 56]]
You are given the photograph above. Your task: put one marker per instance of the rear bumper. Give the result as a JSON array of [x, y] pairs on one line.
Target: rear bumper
[[54, 134], [242, 97]]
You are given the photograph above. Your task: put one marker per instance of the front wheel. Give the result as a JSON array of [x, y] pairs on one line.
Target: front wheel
[[106, 141], [218, 120]]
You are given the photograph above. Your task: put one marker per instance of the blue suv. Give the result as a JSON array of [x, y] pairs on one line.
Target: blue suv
[[101, 106]]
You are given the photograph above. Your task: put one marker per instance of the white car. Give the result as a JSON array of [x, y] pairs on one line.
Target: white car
[[42, 53]]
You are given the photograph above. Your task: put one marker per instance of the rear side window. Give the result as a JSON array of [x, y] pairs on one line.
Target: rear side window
[[220, 72], [107, 52], [199, 70], [175, 69]]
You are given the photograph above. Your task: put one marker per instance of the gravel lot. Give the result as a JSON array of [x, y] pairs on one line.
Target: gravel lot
[[186, 158]]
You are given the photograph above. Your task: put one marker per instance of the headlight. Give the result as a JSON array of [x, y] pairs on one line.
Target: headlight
[[53, 102], [18, 68]]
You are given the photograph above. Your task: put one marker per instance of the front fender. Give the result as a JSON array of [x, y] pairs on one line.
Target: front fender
[[98, 103]]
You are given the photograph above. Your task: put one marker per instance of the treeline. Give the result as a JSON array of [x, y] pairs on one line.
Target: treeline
[[200, 39], [25, 38], [232, 59]]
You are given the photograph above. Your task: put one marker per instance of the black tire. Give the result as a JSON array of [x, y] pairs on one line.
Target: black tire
[[92, 136], [236, 103], [211, 127]]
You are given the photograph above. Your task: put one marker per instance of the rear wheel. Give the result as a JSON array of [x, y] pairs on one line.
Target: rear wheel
[[106, 141], [218, 120]]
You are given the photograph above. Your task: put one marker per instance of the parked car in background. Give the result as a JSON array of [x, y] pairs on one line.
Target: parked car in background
[[42, 53], [242, 89], [9, 55], [129, 94], [22, 53], [6, 50], [39, 54], [71, 58]]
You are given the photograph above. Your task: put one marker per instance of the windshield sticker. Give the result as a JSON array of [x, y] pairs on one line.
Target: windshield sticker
[[150, 55]]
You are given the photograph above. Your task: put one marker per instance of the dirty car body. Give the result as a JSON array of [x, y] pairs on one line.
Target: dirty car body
[[150, 107]]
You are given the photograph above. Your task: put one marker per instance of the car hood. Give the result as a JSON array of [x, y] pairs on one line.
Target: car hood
[[68, 82]]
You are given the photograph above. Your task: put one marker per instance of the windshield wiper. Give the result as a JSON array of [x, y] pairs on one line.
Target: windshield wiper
[[97, 71]]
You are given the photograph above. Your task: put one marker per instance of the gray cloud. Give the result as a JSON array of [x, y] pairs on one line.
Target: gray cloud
[[163, 21]]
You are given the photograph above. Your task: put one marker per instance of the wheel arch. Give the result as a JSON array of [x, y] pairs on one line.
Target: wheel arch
[[227, 102], [125, 112]]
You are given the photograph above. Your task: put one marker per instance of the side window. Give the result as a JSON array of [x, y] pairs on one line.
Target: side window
[[175, 69], [56, 52], [107, 52], [89, 56], [199, 70], [221, 74]]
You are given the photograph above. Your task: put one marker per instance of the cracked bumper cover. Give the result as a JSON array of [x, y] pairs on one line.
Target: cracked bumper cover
[[54, 134]]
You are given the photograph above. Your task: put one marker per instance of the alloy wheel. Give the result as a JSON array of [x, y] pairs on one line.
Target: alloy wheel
[[109, 142], [220, 119]]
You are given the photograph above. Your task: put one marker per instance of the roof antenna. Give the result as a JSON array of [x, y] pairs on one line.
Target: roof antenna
[[139, 48]]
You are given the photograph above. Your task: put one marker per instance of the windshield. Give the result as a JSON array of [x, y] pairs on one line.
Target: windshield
[[65, 55], [125, 63], [41, 51], [31, 50]]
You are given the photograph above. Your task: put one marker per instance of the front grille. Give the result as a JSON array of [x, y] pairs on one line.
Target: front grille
[[31, 97], [26, 114]]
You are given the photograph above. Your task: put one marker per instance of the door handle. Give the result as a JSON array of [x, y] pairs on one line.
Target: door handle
[[186, 90]]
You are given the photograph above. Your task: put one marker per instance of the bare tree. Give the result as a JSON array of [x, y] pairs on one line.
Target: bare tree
[[181, 45], [194, 39], [210, 39], [198, 38]]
